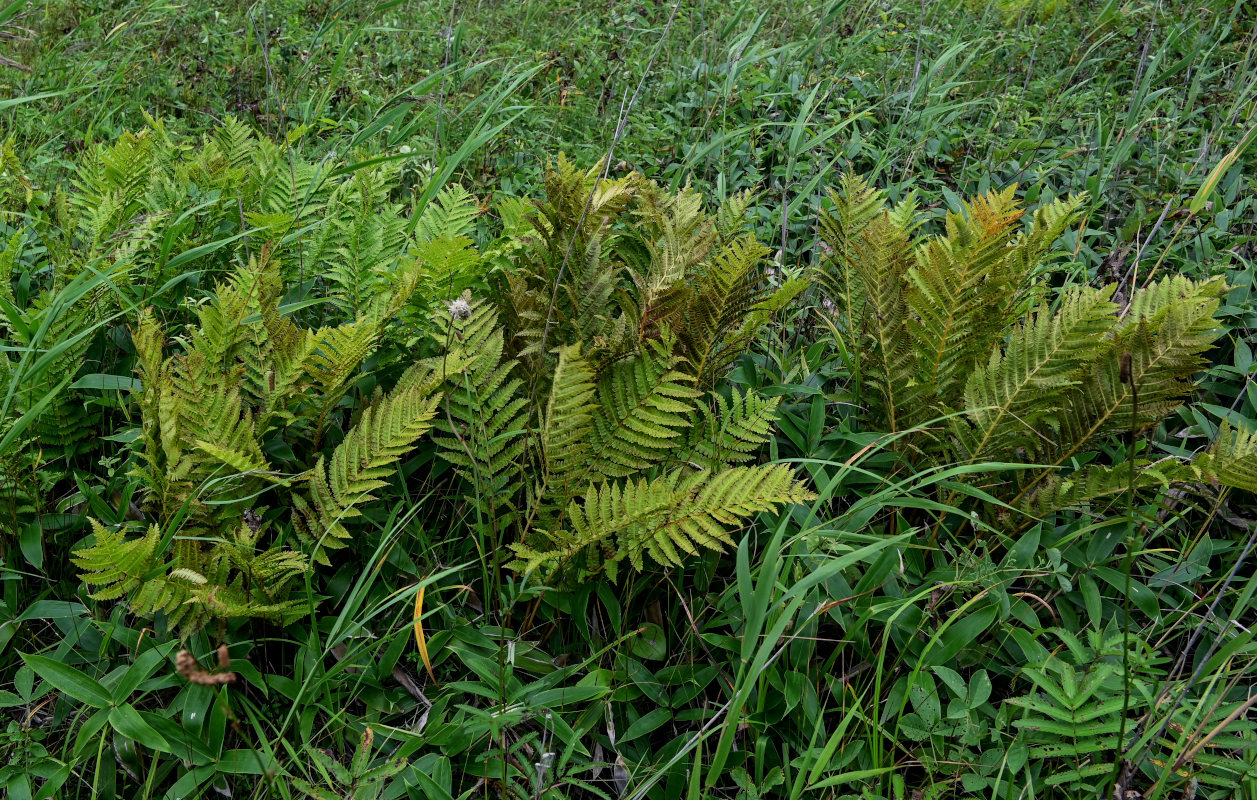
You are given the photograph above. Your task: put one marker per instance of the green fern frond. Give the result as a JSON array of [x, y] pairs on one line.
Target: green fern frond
[[439, 267], [882, 256], [1024, 385], [731, 431], [1231, 460], [10, 256], [730, 217], [450, 215], [855, 205], [645, 403], [118, 564], [569, 422], [386, 431], [370, 237], [1164, 334], [726, 295], [1098, 482], [484, 416], [335, 358], [663, 519], [234, 144]]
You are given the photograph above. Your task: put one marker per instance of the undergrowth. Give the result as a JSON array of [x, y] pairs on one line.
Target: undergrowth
[[566, 400]]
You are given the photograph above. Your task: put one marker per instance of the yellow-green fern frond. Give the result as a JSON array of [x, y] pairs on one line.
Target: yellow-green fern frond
[[1096, 482], [386, 431], [118, 566], [726, 295], [451, 214], [1231, 460], [335, 358], [484, 417], [566, 433], [882, 256], [1165, 334], [953, 292], [663, 519], [645, 403], [729, 432], [855, 205], [1015, 398]]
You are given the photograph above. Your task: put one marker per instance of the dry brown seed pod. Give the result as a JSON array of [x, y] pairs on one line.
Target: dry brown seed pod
[[188, 667]]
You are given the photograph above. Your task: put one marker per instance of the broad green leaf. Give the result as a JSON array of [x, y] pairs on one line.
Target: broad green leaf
[[128, 722], [645, 724], [69, 680], [650, 642]]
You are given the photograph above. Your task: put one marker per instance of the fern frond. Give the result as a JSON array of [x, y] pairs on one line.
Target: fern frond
[[882, 256], [1098, 482], [450, 215], [855, 205], [726, 295], [953, 292], [1165, 333], [1163, 337], [336, 356], [569, 422], [484, 416], [1024, 385], [386, 431], [664, 518], [118, 566], [1231, 460], [645, 403], [730, 432], [730, 218], [440, 267], [370, 236]]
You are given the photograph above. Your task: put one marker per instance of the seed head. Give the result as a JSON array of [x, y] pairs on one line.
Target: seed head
[[460, 309]]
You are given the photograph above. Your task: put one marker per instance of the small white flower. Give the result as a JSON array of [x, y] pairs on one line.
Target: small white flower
[[460, 309]]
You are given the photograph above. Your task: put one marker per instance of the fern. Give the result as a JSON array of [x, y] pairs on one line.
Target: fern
[[643, 300], [194, 585], [483, 415], [645, 406], [1072, 719], [664, 518], [244, 374], [1165, 334], [451, 214], [567, 431], [958, 326], [1026, 382], [386, 431], [728, 432]]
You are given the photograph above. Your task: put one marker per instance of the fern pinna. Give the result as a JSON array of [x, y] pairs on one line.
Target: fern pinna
[[957, 342], [245, 379]]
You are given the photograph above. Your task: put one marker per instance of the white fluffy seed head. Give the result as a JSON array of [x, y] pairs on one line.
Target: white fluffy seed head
[[460, 309]]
